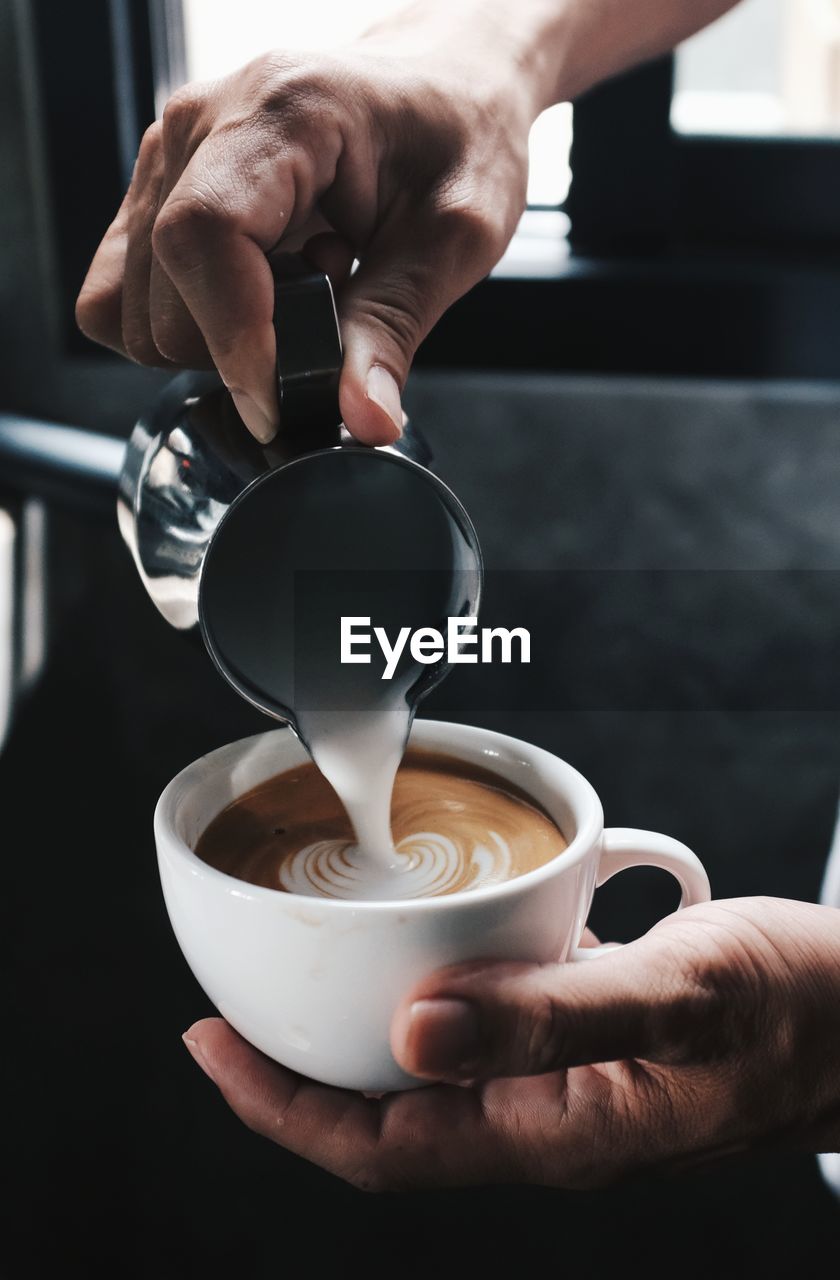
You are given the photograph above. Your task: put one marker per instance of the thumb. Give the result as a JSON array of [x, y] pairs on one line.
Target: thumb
[[484, 1020], [412, 271]]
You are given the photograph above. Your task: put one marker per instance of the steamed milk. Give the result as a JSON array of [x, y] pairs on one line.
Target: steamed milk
[[456, 827], [359, 755]]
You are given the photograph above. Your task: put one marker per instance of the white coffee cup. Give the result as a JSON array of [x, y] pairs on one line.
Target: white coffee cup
[[314, 982]]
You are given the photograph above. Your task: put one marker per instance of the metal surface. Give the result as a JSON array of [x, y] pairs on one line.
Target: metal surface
[[8, 620], [309, 354], [355, 533], [186, 462], [23, 602], [191, 457]]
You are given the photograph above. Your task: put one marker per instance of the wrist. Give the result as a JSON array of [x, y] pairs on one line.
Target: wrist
[[553, 49], [508, 46]]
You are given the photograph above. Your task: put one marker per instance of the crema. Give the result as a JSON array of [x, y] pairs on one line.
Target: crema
[[455, 828]]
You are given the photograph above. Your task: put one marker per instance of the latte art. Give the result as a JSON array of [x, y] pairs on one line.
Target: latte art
[[424, 865], [456, 828]]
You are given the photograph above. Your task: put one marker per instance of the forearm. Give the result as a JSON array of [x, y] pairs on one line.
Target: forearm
[[559, 48], [591, 40]]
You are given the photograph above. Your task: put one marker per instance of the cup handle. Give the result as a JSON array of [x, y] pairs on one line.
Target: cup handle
[[624, 847]]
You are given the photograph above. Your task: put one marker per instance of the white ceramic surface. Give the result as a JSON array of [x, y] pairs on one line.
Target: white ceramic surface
[[314, 982]]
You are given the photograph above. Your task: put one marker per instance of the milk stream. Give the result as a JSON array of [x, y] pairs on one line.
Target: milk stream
[[344, 532], [359, 754]]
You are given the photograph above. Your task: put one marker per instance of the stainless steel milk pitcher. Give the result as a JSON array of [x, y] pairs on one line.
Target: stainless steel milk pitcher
[[265, 547], [190, 457]]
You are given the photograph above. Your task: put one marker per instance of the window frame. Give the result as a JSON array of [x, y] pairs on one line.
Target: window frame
[[97, 82], [640, 186]]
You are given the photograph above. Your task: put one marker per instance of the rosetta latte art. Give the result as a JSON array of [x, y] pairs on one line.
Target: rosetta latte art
[[455, 828]]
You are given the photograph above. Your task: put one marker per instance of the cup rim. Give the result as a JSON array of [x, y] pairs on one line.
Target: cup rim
[[585, 803]]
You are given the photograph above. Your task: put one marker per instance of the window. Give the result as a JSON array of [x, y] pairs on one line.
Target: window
[[770, 68]]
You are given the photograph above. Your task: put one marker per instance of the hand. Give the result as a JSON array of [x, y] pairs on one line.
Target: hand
[[716, 1033], [407, 150]]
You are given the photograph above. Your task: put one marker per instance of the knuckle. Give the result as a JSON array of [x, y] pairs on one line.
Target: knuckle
[[85, 312], [181, 116], [287, 80], [588, 1143], [183, 224], [149, 162], [716, 1011], [302, 99], [543, 1036], [151, 140], [97, 312], [470, 227]]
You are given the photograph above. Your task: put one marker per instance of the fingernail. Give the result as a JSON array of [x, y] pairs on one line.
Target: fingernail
[[198, 1054], [382, 389], [443, 1036], [261, 427]]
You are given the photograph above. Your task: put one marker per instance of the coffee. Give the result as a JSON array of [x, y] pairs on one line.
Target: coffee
[[455, 827]]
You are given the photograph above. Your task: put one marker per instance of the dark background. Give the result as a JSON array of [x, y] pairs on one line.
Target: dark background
[[698, 264]]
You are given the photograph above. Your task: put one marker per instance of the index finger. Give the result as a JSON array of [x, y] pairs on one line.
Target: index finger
[[429, 1137], [211, 237], [335, 1128]]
